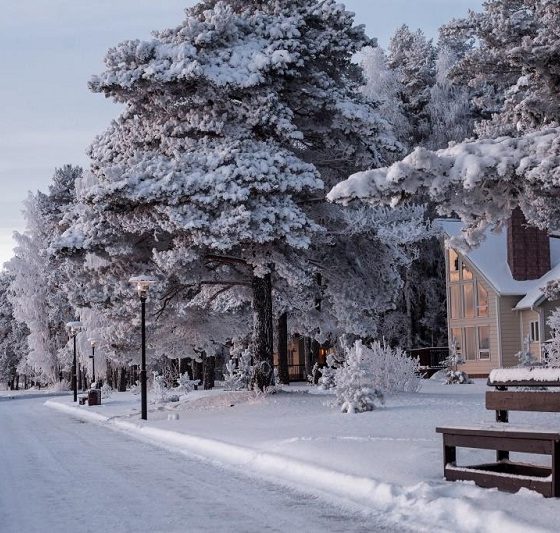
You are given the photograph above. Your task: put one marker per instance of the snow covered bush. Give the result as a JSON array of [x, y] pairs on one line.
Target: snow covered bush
[[525, 357], [552, 348], [159, 389], [371, 372], [454, 359], [239, 372], [457, 377], [185, 384], [135, 389], [106, 391], [327, 381]]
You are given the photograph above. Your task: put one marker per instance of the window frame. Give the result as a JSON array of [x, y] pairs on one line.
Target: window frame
[[534, 331]]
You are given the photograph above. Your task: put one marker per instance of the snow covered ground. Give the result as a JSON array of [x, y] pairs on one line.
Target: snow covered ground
[[387, 461]]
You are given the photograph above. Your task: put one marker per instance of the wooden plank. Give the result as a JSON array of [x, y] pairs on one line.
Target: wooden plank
[[546, 402], [556, 469], [487, 479], [505, 432], [499, 442]]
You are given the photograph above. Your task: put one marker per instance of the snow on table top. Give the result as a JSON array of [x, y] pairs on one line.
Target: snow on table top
[[536, 374]]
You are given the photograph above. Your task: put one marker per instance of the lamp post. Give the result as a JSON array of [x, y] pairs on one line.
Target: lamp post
[[143, 284], [92, 357], [73, 329]]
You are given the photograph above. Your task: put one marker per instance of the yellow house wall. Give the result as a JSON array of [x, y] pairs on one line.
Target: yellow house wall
[[526, 317]]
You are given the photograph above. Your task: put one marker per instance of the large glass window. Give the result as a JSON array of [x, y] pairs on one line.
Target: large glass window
[[468, 300], [471, 348], [457, 336], [467, 274], [482, 304], [455, 294], [453, 265], [484, 342]]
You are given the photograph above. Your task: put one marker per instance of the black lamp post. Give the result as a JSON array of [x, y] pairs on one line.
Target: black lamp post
[[92, 357], [73, 329], [143, 284]]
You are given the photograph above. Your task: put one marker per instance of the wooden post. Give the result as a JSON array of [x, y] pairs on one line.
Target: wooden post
[[449, 455], [555, 469], [282, 348], [502, 417]]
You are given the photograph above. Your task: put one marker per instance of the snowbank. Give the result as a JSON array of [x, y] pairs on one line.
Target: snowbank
[[536, 374]]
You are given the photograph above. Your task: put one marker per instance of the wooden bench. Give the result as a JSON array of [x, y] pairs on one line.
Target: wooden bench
[[504, 474]]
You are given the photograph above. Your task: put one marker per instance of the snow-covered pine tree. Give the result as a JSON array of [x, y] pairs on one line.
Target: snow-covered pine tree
[[36, 288], [13, 334], [515, 161], [552, 348], [525, 357], [233, 121], [412, 56]]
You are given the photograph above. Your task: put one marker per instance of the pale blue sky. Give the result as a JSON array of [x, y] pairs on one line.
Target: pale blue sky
[[50, 48]]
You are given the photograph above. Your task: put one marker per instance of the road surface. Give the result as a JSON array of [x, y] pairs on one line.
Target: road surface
[[59, 474]]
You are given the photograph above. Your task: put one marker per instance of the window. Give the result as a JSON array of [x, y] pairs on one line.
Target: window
[[466, 273], [482, 304], [468, 300], [455, 295], [535, 336], [483, 342], [453, 265], [471, 350], [457, 336]]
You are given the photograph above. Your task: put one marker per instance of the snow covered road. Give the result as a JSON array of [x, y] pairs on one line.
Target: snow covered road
[[60, 474]]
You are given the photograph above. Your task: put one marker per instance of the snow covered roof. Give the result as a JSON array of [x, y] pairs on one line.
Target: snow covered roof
[[490, 258]]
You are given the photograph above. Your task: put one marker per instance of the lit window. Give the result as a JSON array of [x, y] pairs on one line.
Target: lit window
[[456, 335], [484, 342], [455, 295], [471, 348], [535, 337], [468, 300], [453, 265], [467, 274], [482, 307]]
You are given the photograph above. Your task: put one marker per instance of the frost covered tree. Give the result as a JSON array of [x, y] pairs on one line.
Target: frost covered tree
[[13, 334], [213, 176], [524, 356], [552, 348], [36, 290], [515, 160], [412, 56]]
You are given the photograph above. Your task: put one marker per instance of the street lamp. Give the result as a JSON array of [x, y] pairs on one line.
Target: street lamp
[[143, 284], [92, 357], [73, 329]]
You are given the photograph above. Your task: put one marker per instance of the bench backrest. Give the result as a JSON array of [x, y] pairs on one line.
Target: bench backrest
[[528, 393]]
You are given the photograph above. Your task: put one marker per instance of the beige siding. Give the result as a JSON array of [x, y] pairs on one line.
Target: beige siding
[[510, 330]]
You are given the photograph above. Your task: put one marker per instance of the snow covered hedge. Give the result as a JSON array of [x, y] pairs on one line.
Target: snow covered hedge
[[371, 372]]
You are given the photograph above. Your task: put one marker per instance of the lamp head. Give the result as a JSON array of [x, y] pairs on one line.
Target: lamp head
[[143, 284], [74, 327]]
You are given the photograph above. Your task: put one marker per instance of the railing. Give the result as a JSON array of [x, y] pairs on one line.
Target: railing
[[432, 357], [297, 373]]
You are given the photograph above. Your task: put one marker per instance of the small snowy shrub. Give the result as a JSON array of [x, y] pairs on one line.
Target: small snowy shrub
[[525, 356], [106, 391], [454, 359], [457, 377], [552, 348], [135, 389], [313, 378], [185, 384], [239, 372], [60, 386], [159, 389], [327, 381]]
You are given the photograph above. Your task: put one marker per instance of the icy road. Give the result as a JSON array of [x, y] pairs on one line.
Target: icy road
[[58, 474]]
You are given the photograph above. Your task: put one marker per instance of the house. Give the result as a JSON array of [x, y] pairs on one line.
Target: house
[[494, 294]]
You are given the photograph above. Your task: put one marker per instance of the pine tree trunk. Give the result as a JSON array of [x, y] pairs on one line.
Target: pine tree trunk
[[263, 375], [122, 379], [197, 370], [315, 347], [282, 348], [109, 374], [184, 365], [208, 370], [307, 356]]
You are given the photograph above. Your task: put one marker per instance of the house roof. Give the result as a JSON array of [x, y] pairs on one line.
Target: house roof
[[490, 258]]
